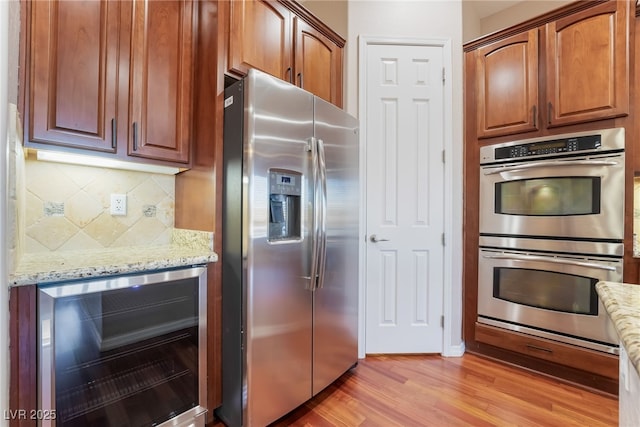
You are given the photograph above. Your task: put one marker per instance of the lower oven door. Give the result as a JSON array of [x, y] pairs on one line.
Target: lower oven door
[[549, 295]]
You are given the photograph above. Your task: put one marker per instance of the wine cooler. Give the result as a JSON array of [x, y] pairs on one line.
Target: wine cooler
[[125, 350]]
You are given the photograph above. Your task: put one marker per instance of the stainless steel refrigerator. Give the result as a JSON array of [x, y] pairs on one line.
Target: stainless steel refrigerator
[[290, 248]]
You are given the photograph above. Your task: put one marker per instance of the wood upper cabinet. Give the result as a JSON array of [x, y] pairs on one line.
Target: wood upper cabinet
[[283, 39], [587, 65], [111, 77], [564, 71], [161, 80], [260, 38], [507, 85], [73, 74], [318, 63]]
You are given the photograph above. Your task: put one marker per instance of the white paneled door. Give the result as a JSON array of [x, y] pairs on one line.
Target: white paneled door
[[404, 125]]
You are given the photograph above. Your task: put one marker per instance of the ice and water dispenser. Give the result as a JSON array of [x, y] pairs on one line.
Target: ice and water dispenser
[[284, 205]]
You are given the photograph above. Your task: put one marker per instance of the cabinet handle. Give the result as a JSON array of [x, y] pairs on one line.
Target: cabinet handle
[[535, 116], [135, 136], [289, 75], [549, 113], [300, 80], [114, 129], [535, 347]]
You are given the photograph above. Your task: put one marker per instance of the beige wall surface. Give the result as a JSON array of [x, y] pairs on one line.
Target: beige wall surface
[[471, 27], [518, 13], [331, 12]]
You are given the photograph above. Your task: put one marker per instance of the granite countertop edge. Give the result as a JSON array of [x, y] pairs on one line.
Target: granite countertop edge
[[187, 248], [622, 303]]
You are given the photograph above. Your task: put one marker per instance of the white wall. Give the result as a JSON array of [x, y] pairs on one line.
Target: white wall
[[4, 303], [419, 19]]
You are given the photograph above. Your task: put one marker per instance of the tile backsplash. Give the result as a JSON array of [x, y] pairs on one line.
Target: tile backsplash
[[67, 207]]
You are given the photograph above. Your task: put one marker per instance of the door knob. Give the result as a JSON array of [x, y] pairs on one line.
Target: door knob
[[375, 239]]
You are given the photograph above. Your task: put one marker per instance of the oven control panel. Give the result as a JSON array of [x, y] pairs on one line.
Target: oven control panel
[[570, 144], [564, 145]]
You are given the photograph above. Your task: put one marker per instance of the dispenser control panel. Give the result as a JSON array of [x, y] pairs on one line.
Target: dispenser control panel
[[285, 190]]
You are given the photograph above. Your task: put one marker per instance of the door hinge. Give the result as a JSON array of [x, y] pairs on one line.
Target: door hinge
[[442, 322], [443, 75], [443, 156], [443, 241]]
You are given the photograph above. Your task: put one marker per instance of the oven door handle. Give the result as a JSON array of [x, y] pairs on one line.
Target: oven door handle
[[551, 164], [552, 260]]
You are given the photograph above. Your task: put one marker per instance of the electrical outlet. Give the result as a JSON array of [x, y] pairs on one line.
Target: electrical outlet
[[118, 204]]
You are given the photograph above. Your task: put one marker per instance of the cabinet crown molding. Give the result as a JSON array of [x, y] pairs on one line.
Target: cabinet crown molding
[[533, 23]]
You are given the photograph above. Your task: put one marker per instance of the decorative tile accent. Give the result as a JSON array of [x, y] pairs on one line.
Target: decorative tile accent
[[85, 193], [149, 211], [53, 209]]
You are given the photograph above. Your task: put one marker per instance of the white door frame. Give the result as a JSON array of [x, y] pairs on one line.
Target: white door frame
[[448, 349]]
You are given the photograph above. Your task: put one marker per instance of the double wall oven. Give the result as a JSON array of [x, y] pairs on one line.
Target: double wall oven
[[551, 227]]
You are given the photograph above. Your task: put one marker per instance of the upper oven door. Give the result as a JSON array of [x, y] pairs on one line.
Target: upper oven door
[[575, 197]]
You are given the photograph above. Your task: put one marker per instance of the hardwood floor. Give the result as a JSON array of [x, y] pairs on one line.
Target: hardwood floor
[[388, 391]]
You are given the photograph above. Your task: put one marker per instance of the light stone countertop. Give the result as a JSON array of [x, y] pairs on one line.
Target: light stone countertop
[[187, 248], [622, 302]]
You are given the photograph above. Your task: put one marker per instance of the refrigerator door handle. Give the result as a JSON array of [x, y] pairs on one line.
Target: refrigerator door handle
[[315, 237], [322, 258]]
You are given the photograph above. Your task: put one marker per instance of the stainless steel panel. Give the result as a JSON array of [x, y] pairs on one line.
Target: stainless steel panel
[[607, 224], [335, 345], [120, 282], [278, 305], [548, 245], [589, 327]]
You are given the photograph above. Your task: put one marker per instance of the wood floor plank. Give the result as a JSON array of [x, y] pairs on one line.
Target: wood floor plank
[[430, 390]]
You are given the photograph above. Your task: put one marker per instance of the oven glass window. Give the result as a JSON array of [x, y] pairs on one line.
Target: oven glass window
[[555, 196], [546, 289], [127, 357]]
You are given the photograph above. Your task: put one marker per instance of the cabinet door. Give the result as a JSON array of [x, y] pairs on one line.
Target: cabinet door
[[260, 37], [318, 63], [73, 74], [587, 65], [507, 85], [161, 80]]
